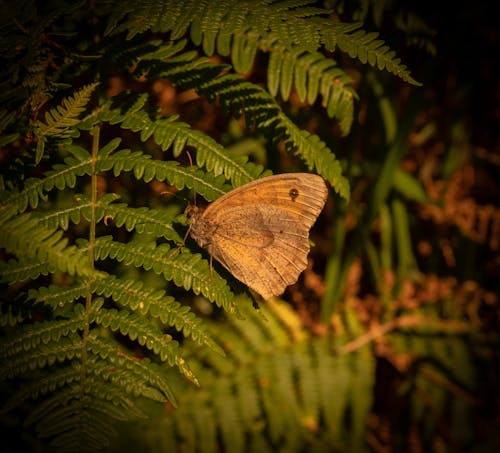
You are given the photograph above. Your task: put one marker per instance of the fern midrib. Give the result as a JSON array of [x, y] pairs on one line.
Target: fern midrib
[[91, 259]]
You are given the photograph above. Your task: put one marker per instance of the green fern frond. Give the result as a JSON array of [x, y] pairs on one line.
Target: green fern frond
[[138, 328], [61, 176], [317, 155], [78, 424], [25, 237], [369, 49], [241, 97], [362, 393], [168, 132], [56, 296], [43, 386], [128, 383], [131, 293], [311, 73], [143, 166], [184, 269], [335, 400], [157, 222], [121, 394], [67, 348], [275, 378], [26, 269], [60, 121], [206, 184], [241, 28], [231, 17], [128, 293], [138, 378], [31, 336], [144, 369]]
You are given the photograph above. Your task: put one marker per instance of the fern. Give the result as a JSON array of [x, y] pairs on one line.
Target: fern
[[273, 390], [85, 271], [25, 269], [312, 74], [231, 19], [24, 236], [156, 222], [261, 110], [184, 269], [59, 121], [171, 133]]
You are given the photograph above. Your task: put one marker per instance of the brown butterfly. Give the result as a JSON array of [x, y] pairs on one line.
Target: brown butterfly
[[259, 231]]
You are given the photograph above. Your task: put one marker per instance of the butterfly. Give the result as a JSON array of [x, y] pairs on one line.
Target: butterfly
[[259, 231]]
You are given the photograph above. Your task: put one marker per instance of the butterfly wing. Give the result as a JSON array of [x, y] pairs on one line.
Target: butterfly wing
[[267, 259], [259, 231], [302, 195]]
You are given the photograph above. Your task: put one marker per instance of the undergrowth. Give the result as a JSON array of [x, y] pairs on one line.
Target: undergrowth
[[113, 114]]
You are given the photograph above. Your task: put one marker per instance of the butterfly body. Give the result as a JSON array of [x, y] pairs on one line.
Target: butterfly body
[[260, 231]]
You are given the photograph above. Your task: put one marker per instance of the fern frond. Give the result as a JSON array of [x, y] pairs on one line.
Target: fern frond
[[99, 396], [362, 382], [122, 396], [206, 184], [32, 336], [60, 121], [124, 382], [56, 296], [184, 269], [27, 239], [60, 177], [168, 132], [241, 28], [121, 408], [307, 377], [230, 17], [138, 328], [317, 155], [157, 222], [334, 400], [226, 411], [365, 46], [24, 269], [67, 348], [276, 379], [311, 73], [261, 110], [77, 425], [43, 386], [148, 372], [142, 165], [131, 293]]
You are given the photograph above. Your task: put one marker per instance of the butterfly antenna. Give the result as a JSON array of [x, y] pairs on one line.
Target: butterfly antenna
[[192, 170]]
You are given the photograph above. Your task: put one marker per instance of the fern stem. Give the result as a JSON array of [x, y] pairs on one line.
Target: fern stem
[[91, 252]]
